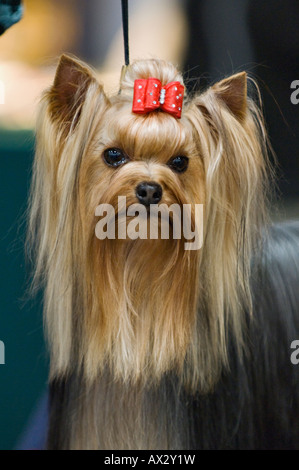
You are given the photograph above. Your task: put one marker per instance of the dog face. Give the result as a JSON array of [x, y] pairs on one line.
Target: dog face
[[148, 159], [144, 307]]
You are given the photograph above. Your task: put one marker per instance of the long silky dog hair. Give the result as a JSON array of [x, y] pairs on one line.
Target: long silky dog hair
[[153, 346]]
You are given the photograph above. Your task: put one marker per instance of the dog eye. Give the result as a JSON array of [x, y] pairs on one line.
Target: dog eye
[[115, 157], [179, 164]]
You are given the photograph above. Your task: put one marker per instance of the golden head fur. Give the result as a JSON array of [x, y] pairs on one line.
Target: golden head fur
[[145, 308]]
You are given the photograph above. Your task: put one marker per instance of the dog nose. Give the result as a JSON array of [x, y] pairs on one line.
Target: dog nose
[[149, 193]]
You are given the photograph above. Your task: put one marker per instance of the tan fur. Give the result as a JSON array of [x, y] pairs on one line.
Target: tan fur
[[145, 308]]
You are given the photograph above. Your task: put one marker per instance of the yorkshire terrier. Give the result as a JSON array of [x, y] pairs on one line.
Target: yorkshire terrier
[[152, 345]]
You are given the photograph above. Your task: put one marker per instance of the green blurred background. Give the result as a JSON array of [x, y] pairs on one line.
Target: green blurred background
[[23, 377]]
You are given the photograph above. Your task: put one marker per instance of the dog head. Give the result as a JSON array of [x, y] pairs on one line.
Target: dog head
[[141, 306]]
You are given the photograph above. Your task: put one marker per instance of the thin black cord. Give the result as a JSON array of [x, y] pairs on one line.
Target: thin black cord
[[125, 19]]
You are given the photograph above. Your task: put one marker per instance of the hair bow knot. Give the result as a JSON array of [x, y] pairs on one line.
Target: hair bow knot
[[149, 95]]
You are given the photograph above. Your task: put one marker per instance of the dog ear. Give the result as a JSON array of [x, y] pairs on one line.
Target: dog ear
[[70, 85], [233, 92]]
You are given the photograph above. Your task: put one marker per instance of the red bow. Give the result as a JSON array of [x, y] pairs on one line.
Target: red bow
[[149, 95]]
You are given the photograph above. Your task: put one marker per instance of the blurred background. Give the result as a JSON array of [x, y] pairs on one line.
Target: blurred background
[[207, 40]]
